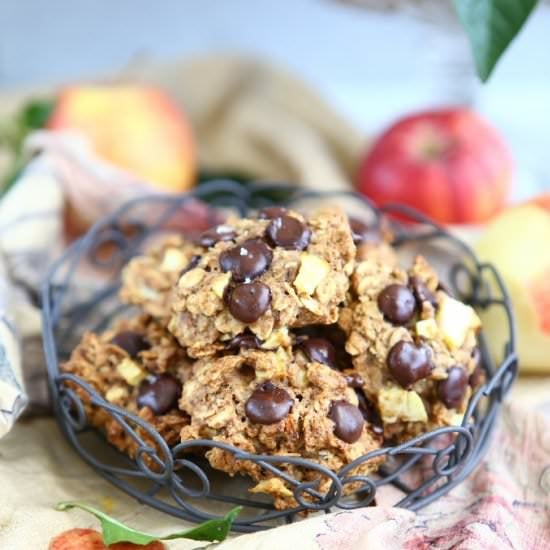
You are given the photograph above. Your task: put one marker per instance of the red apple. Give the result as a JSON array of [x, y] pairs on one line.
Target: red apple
[[449, 164]]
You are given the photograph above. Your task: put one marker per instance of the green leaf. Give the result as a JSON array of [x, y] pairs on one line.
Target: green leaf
[[491, 25], [31, 116], [35, 113], [115, 531]]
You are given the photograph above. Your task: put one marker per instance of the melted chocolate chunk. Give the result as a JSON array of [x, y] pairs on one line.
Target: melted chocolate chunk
[[288, 232], [362, 233], [421, 292], [131, 342], [270, 212], [453, 390], [369, 412], [409, 362], [244, 341], [397, 303], [348, 421], [247, 260], [354, 380], [247, 371], [268, 404], [159, 393], [334, 334], [216, 234], [247, 302], [194, 262], [319, 350]]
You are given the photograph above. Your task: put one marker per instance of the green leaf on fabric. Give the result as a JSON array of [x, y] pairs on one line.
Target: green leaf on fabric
[[491, 25], [115, 531], [33, 115]]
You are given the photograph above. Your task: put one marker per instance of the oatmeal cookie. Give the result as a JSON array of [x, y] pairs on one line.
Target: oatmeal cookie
[[413, 345], [138, 366], [278, 403], [264, 275], [148, 280]]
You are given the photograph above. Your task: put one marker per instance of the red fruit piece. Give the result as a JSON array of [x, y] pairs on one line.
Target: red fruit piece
[[89, 539], [77, 539]]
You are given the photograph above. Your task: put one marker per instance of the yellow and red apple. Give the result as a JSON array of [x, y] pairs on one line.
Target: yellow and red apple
[[517, 243], [449, 164], [136, 128]]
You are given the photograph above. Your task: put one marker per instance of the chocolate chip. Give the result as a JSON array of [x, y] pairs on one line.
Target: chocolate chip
[[131, 342], [354, 380], [268, 404], [288, 232], [334, 334], [397, 303], [361, 232], [194, 262], [244, 341], [421, 292], [409, 362], [247, 371], [319, 350], [247, 260], [160, 393], [271, 212], [452, 390], [348, 421], [303, 333], [247, 302], [216, 234], [477, 375], [369, 412]]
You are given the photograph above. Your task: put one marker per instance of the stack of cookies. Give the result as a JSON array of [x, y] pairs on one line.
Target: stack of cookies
[[285, 335]]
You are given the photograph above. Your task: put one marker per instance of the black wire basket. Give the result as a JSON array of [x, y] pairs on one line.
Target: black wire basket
[[182, 484]]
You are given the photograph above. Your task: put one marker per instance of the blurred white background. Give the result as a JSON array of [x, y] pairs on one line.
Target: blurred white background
[[371, 66]]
